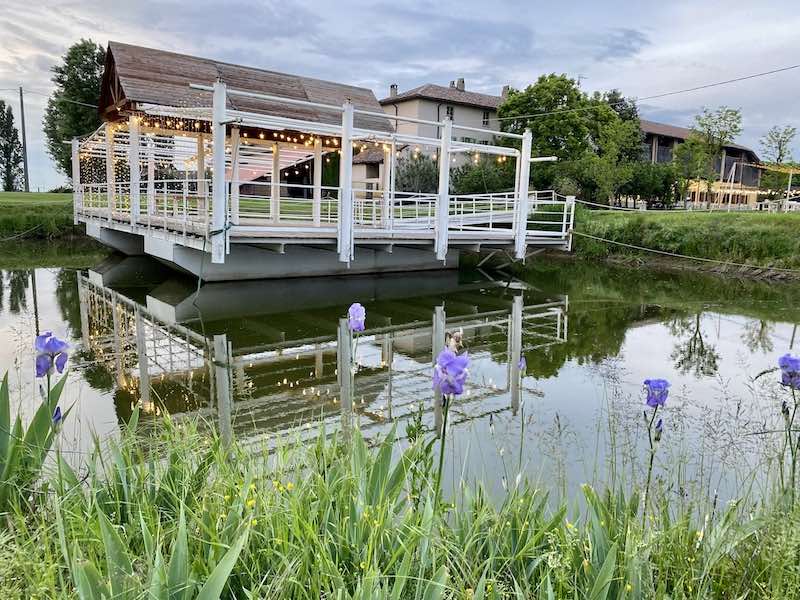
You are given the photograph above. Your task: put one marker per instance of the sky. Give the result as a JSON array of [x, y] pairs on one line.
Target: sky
[[642, 48]]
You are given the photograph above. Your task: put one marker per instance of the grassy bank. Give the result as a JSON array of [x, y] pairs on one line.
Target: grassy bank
[[334, 518], [758, 239], [36, 215]]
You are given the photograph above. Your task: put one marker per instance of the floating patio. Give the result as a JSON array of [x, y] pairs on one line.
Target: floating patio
[[231, 173]]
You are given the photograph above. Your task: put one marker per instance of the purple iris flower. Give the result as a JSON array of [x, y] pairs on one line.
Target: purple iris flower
[[659, 430], [450, 372], [57, 417], [657, 392], [50, 351], [356, 316], [523, 364], [790, 370]]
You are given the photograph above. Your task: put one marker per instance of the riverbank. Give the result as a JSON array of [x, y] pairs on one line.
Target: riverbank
[[36, 216], [764, 245]]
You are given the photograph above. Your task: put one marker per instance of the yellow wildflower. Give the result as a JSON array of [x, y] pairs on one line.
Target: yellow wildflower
[[290, 486], [254, 522], [363, 566], [226, 497], [628, 588], [251, 503]]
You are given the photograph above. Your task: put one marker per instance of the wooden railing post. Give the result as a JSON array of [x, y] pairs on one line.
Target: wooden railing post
[[521, 206]]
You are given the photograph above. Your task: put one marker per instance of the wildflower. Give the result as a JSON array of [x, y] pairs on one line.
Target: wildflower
[[657, 392], [254, 522], [450, 372], [363, 566], [659, 430], [356, 317], [628, 587], [253, 487], [50, 352], [57, 417], [523, 364], [790, 370], [251, 503], [226, 497], [289, 486]]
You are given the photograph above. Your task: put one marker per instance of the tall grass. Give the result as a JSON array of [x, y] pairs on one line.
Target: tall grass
[[36, 215], [180, 515]]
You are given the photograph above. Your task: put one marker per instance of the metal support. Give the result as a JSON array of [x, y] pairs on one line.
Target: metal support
[[345, 229], [515, 343], [316, 212], [235, 161], [77, 194], [437, 344], [521, 205], [344, 371], [223, 387], [133, 163], [111, 183], [219, 206], [443, 201], [275, 184]]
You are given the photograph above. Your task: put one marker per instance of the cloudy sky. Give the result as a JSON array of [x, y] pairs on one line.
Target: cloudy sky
[[642, 48]]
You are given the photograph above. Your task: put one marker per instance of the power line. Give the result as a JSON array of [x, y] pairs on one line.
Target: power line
[[654, 96]]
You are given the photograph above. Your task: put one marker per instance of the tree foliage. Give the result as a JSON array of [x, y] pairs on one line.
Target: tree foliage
[[776, 145], [77, 79], [485, 176], [417, 174], [10, 151]]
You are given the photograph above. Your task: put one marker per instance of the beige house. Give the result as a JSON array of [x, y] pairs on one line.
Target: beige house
[[431, 102]]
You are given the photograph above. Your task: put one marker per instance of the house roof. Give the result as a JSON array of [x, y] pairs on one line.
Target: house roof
[[137, 75], [680, 133], [451, 95], [371, 155]]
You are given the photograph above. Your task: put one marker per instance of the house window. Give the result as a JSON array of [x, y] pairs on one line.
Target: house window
[[450, 112], [373, 171], [469, 140], [486, 116]]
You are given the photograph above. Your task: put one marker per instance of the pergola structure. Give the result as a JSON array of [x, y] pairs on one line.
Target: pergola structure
[[218, 169]]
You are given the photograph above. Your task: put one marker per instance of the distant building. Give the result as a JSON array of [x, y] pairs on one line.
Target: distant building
[[658, 146]]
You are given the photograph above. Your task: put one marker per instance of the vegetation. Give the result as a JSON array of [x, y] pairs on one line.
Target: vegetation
[[37, 215], [418, 173], [753, 238], [72, 107], [10, 151]]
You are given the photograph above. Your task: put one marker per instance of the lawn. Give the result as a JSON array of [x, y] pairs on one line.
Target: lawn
[[757, 238], [35, 215]]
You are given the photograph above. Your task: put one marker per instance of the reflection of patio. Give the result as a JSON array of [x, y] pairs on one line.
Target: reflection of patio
[[274, 388]]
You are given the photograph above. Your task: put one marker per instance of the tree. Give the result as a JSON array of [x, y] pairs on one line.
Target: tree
[[718, 128], [417, 174], [776, 145], [691, 160], [77, 79], [650, 182], [485, 176], [10, 150]]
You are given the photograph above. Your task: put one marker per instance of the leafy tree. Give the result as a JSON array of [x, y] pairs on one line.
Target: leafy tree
[[10, 150], [417, 174], [76, 79], [716, 129], [691, 160], [776, 145], [625, 108], [653, 183], [484, 177]]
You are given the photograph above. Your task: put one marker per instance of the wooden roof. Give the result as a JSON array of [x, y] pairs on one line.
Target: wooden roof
[[450, 95], [136, 75], [681, 133]]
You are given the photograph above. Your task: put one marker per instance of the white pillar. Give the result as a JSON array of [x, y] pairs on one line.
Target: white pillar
[[133, 163], [345, 231], [275, 187], [202, 185], [521, 205], [111, 182], [223, 386], [386, 204], [437, 345], [515, 343], [317, 207], [443, 203], [344, 372], [392, 173], [77, 192], [235, 147], [219, 207], [151, 177]]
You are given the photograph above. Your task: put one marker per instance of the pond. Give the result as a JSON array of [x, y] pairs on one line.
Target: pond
[[145, 336]]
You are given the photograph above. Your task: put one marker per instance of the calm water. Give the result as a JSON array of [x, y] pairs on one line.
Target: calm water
[[590, 334]]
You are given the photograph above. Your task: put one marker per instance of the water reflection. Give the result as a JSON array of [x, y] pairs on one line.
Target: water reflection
[[233, 353]]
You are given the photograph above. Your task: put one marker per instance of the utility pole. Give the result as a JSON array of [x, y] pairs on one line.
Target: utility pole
[[24, 141]]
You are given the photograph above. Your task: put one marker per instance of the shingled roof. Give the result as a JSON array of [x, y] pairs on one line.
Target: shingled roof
[[451, 95], [135, 75], [678, 133]]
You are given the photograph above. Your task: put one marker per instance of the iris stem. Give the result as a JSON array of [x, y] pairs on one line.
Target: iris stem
[[650, 466], [442, 438]]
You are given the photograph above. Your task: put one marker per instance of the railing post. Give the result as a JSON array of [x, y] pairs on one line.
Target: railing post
[[437, 344], [202, 184], [345, 229], [275, 184], [344, 372], [133, 163], [393, 167], [235, 175], [151, 178], [110, 173], [443, 204], [521, 212], [221, 361], [515, 343], [569, 208], [219, 199], [386, 181], [316, 210], [77, 190]]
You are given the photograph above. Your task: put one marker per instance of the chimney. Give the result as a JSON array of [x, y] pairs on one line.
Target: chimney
[[453, 83], [460, 84], [393, 90], [504, 93]]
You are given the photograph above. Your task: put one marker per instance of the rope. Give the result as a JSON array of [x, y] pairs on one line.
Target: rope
[[19, 235], [686, 256]]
